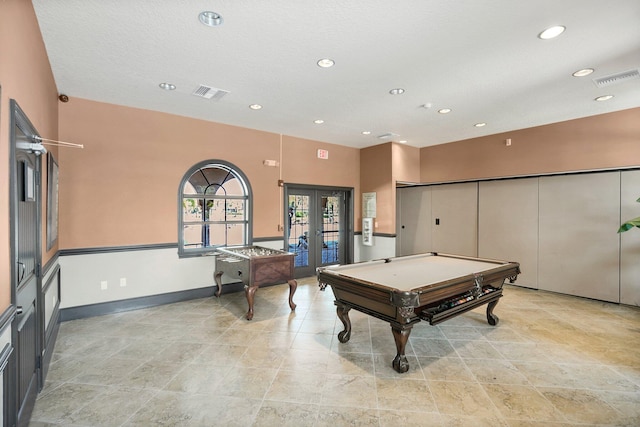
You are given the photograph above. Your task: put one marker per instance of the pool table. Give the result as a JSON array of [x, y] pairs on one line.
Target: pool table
[[403, 291]]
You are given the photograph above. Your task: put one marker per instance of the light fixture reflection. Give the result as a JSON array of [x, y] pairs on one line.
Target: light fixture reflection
[[583, 72], [326, 63], [552, 32]]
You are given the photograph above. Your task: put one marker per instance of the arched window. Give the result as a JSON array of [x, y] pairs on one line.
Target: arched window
[[215, 208]]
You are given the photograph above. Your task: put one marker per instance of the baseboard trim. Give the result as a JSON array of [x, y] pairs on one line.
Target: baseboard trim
[[111, 307]]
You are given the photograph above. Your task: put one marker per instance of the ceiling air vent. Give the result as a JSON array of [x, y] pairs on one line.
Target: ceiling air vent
[[617, 78], [388, 136], [208, 92]]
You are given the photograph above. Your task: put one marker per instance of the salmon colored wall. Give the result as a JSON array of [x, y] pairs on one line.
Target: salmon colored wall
[[605, 141], [376, 176], [122, 188], [25, 75], [406, 163], [301, 165]]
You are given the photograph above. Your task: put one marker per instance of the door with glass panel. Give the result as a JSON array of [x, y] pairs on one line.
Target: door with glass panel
[[317, 228]]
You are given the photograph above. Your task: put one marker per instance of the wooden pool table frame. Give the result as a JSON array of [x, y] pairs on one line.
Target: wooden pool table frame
[[433, 302]]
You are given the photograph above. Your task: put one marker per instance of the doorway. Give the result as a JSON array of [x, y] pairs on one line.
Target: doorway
[[320, 227], [26, 265]]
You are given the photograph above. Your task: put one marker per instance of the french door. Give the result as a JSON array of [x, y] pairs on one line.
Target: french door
[[320, 222]]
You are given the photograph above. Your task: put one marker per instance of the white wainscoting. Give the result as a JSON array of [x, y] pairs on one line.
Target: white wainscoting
[[146, 272], [383, 247]]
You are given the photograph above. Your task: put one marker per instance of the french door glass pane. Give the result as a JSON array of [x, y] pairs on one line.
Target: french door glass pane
[[330, 229], [299, 229]]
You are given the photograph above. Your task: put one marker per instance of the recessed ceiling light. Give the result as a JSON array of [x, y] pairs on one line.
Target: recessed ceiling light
[[583, 72], [212, 19], [444, 110], [366, 132], [396, 91], [255, 106], [167, 86], [479, 125], [552, 32], [403, 141], [318, 121], [326, 63], [604, 98]]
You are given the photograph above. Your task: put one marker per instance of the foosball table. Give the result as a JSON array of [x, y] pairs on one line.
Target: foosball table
[[255, 266]]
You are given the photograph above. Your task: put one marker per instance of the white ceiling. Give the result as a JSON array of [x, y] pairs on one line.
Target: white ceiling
[[481, 58]]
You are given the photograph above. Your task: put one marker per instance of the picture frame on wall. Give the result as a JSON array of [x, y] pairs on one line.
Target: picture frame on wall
[[52, 200]]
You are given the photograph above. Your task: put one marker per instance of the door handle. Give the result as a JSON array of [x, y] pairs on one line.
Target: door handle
[[22, 270], [19, 310]]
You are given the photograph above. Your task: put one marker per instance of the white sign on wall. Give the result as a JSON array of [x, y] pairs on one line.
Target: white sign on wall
[[369, 205], [367, 231]]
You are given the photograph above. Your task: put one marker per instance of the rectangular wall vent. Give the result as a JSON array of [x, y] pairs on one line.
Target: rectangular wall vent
[[388, 136], [208, 92], [617, 78]]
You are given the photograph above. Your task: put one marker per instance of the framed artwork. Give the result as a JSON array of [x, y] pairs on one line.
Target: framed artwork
[[52, 201]]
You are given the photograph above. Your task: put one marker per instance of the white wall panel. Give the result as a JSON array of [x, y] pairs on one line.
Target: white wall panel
[[579, 247], [508, 225], [455, 206], [630, 240], [413, 220], [50, 294], [383, 247]]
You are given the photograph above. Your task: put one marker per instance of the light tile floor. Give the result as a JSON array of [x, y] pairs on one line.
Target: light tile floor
[[553, 360]]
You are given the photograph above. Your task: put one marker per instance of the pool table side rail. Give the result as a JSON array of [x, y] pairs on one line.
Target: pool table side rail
[[392, 305], [428, 293], [494, 277], [361, 295]]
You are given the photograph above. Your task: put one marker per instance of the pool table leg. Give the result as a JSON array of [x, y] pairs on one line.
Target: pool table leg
[[293, 285], [343, 315], [401, 336], [492, 318], [217, 275]]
